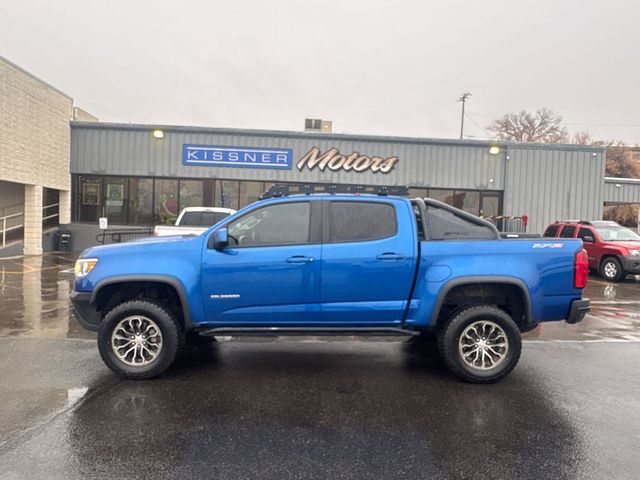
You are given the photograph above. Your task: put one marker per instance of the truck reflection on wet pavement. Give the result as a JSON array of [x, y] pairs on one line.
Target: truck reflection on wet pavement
[[302, 408]]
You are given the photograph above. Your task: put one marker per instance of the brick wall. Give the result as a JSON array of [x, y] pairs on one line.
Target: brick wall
[[34, 130]]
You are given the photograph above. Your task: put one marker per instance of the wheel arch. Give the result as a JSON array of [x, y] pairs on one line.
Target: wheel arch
[[519, 286], [97, 300], [607, 255]]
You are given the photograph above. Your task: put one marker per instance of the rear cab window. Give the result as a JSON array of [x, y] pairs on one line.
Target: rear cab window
[[568, 231], [356, 221], [551, 231]]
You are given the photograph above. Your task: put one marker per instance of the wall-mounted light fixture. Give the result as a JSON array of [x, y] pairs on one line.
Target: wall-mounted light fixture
[[618, 185], [157, 133], [494, 150]]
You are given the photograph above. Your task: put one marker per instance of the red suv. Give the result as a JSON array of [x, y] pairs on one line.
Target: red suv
[[613, 250]]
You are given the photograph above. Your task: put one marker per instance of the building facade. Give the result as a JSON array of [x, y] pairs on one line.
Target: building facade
[[142, 174], [35, 182]]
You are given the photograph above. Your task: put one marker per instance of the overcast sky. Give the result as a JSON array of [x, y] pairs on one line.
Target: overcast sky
[[373, 67]]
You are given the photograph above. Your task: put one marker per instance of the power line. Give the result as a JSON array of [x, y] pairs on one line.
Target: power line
[[486, 132]]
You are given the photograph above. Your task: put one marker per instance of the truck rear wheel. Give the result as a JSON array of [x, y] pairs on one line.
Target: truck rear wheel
[[480, 344], [139, 339]]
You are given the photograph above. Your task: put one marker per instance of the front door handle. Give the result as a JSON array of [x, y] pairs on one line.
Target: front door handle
[[390, 256], [299, 259]]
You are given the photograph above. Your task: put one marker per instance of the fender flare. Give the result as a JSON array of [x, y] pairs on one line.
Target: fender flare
[[166, 279], [471, 280]]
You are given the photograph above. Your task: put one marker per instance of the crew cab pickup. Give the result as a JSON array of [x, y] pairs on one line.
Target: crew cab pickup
[[193, 221], [329, 264], [613, 250]]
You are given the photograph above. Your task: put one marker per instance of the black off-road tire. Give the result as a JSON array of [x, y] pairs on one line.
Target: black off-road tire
[[172, 338], [611, 270], [449, 338]]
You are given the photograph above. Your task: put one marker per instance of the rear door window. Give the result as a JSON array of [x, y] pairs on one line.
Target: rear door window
[[567, 231], [360, 221], [551, 231]]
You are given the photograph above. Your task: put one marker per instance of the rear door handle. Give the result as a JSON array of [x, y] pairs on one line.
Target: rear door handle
[[390, 256], [299, 259]]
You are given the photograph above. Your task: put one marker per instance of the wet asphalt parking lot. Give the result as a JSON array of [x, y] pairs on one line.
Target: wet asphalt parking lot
[[307, 408]]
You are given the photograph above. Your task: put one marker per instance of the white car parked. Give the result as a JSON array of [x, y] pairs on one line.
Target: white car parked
[[193, 221]]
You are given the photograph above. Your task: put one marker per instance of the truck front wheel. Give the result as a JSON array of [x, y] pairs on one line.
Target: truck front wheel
[[139, 339], [611, 269], [480, 344]]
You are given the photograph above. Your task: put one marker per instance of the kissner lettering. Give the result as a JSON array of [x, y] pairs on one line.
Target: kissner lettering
[[333, 160]]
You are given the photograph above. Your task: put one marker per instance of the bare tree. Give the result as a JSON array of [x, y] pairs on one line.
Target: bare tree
[[583, 138], [542, 126]]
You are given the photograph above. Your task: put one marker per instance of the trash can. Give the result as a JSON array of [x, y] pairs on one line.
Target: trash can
[[64, 241]]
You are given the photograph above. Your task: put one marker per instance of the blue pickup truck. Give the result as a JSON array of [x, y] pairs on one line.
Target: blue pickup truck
[[331, 264]]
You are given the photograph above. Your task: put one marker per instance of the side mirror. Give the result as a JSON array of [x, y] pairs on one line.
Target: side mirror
[[588, 239], [219, 239]]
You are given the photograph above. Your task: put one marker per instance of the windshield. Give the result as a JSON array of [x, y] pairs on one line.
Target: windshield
[[617, 234]]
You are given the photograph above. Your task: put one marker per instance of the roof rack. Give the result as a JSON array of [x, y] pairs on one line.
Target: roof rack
[[284, 189], [579, 222]]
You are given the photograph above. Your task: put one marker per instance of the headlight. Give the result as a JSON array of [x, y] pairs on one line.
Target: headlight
[[84, 266], [635, 253]]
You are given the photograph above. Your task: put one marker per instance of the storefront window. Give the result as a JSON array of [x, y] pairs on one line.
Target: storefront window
[[148, 201], [415, 192], [166, 201], [250, 192], [490, 205], [191, 193], [468, 201], [89, 199], [116, 200], [227, 194], [445, 196], [141, 201]]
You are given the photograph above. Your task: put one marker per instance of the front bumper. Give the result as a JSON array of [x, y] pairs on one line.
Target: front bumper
[[631, 264], [84, 312], [579, 308]]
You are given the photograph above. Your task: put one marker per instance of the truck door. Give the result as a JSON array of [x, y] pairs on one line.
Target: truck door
[[269, 273], [368, 261]]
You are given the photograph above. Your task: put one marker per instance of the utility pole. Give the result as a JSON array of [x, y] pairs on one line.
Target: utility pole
[[463, 98]]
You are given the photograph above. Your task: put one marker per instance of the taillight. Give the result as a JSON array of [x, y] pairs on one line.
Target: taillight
[[581, 269]]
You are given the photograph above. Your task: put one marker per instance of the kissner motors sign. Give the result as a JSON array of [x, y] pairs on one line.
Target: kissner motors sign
[[246, 157], [282, 159], [332, 159]]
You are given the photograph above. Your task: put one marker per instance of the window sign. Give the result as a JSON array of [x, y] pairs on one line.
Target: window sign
[[90, 193], [245, 157]]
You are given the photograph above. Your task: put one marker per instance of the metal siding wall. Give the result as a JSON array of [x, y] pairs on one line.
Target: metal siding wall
[[627, 192], [121, 151], [544, 182], [551, 184]]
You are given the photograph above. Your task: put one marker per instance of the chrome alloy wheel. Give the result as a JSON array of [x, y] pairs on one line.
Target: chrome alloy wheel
[[610, 270], [483, 345], [136, 341]]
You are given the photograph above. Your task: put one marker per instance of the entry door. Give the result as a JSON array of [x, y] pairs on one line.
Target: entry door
[[269, 273], [368, 260]]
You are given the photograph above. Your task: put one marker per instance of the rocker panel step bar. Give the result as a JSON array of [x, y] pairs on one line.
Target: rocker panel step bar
[[307, 331]]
